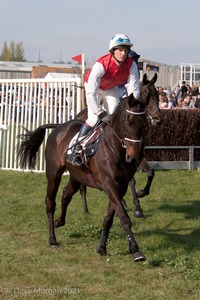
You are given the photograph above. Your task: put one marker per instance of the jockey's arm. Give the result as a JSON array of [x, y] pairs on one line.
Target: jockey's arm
[[133, 83], [92, 87]]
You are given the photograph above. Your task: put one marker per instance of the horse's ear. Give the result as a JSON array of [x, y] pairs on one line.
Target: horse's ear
[[131, 100], [153, 80], [144, 78]]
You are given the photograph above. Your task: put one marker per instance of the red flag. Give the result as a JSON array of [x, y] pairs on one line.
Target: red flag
[[78, 58]]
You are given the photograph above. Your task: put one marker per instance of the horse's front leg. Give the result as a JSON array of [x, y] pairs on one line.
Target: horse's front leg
[[115, 205], [133, 246], [138, 212]]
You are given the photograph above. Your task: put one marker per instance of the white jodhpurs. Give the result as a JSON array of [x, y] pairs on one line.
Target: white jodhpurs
[[108, 100]]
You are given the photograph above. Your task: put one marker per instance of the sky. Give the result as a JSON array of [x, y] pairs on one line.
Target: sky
[[164, 31]]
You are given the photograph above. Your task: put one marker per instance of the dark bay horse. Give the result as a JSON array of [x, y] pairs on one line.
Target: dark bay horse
[[143, 164], [110, 169]]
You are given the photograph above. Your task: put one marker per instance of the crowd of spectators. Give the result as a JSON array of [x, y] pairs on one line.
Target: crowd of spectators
[[183, 97]]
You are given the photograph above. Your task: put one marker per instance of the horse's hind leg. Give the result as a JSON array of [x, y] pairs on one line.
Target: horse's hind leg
[[53, 179], [69, 190], [150, 173], [83, 195], [138, 212]]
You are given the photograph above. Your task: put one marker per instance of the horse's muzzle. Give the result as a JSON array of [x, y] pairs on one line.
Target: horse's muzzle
[[129, 159], [156, 121], [133, 152]]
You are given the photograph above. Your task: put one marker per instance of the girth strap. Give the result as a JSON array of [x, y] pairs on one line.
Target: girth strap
[[91, 180]]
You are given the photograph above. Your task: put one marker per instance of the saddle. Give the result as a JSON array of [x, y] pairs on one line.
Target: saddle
[[89, 143]]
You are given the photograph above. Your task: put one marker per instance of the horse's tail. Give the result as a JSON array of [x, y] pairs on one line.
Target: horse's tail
[[28, 148]]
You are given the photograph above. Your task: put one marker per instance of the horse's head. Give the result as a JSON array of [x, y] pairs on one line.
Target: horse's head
[[150, 99], [132, 127]]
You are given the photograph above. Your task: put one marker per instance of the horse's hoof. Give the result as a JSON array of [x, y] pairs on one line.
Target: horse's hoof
[[138, 214], [101, 250], [54, 246], [57, 223], [139, 256], [142, 193], [53, 243]]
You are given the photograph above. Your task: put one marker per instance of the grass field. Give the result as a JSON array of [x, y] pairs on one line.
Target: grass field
[[168, 235]]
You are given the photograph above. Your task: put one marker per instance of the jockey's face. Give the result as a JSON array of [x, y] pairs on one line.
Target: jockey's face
[[120, 54]]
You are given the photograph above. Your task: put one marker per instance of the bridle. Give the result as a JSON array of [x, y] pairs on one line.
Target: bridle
[[126, 138]]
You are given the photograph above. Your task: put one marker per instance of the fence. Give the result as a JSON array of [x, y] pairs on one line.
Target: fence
[[191, 164], [30, 103]]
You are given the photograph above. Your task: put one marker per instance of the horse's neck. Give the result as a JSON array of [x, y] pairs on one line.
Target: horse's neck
[[114, 130]]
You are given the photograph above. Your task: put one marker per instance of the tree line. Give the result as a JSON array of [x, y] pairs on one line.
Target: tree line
[[13, 52]]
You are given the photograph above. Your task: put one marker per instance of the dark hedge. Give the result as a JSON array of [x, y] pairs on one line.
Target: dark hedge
[[180, 127]]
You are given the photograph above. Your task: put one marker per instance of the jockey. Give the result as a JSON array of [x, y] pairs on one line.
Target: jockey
[[101, 86]]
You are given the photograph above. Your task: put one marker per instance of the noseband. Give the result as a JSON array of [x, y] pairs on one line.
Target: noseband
[[150, 118]]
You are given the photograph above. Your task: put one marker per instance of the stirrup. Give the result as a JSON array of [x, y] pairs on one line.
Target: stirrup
[[77, 161], [77, 149]]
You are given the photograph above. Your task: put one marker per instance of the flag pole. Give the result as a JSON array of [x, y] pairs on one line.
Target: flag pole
[[83, 104]]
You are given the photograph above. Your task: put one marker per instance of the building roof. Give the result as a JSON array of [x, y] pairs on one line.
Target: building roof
[[42, 71], [60, 75], [13, 66]]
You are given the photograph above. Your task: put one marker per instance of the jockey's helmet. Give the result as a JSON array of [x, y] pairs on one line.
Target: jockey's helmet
[[119, 40]]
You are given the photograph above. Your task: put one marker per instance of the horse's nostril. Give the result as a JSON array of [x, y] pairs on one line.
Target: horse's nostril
[[130, 159]]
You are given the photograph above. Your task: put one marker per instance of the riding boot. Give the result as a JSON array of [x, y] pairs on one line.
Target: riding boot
[[76, 158]]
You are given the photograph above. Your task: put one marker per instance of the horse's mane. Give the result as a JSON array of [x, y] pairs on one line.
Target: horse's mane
[[118, 115], [121, 107], [124, 103]]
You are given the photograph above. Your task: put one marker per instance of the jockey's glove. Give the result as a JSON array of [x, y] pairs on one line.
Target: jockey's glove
[[101, 114], [104, 117]]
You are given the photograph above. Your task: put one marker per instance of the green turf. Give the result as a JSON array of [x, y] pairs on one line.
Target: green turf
[[168, 235]]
